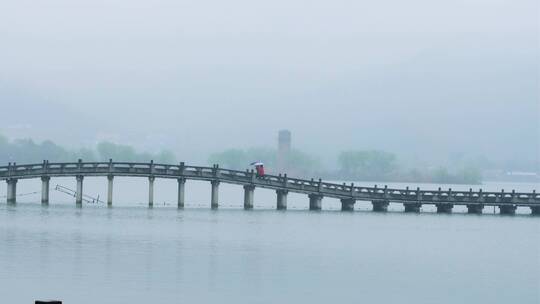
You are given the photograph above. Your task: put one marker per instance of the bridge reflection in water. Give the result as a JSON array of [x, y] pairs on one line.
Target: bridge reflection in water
[[349, 194]]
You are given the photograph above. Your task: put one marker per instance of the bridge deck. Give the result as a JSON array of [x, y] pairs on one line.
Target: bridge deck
[[279, 182]]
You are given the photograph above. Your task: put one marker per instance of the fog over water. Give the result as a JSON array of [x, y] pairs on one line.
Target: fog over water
[[418, 93], [132, 254], [424, 79]]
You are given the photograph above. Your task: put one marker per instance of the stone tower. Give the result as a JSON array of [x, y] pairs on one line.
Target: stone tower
[[284, 150]]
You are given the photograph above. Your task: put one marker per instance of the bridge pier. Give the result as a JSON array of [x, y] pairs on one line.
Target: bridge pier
[[380, 205], [282, 199], [151, 180], [249, 193], [79, 192], [475, 208], [215, 194], [507, 209], [315, 201], [535, 210], [110, 179], [45, 190], [181, 192], [11, 191], [347, 204], [444, 208], [412, 207]]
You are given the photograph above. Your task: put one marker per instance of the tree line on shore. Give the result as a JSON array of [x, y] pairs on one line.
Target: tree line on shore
[[360, 165], [28, 151]]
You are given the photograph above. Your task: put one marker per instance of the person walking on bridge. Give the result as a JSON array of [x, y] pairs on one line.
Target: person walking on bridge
[[259, 168]]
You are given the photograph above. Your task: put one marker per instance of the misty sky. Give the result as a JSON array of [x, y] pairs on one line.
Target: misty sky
[[425, 78]]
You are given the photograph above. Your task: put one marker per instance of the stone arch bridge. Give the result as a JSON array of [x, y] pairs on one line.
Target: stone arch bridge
[[316, 190]]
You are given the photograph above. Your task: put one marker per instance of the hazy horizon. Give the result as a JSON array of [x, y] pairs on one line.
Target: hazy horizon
[[423, 79]]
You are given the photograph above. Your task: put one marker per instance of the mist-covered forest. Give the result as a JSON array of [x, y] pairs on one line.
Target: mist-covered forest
[[367, 165], [360, 165], [29, 151]]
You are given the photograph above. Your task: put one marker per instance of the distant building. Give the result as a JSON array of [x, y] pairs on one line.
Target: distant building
[[284, 150], [521, 173]]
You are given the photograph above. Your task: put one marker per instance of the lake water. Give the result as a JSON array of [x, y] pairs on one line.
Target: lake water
[[132, 254]]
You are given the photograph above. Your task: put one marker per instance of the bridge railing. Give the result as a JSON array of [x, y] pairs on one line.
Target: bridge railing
[[273, 181]]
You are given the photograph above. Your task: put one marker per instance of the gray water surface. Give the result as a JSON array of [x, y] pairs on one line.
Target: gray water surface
[[132, 254]]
